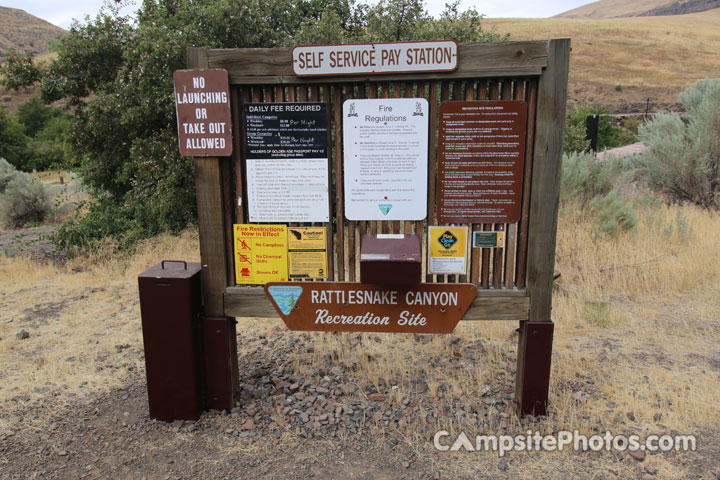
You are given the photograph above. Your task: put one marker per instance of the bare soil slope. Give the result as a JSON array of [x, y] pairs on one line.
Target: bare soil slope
[[638, 8], [612, 9], [23, 32]]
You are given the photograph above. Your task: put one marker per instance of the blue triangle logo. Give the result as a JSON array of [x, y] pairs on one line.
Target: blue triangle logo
[[385, 209], [285, 297]]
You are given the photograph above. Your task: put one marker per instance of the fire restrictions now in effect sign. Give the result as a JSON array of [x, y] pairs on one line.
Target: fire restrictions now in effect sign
[[405, 57], [359, 307], [480, 166], [202, 104]]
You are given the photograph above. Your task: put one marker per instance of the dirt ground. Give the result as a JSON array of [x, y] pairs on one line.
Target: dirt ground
[[73, 399]]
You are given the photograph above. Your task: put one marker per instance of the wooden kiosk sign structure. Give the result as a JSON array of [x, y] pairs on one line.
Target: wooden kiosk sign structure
[[392, 187]]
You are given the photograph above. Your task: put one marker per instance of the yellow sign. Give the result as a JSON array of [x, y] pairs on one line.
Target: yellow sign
[[307, 252], [447, 249], [260, 253]]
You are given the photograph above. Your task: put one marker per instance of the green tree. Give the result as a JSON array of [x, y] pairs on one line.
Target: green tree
[[34, 115], [13, 142], [117, 75]]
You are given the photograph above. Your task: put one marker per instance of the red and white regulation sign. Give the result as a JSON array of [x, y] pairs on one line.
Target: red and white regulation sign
[[399, 57]]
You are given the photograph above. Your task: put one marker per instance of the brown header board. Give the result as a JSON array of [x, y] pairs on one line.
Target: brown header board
[[360, 307], [482, 156], [202, 103]]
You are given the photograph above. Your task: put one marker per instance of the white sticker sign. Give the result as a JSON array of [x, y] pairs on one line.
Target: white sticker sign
[[385, 158]]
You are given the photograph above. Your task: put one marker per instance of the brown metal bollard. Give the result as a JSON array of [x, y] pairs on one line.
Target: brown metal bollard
[[170, 305], [221, 362], [532, 380]]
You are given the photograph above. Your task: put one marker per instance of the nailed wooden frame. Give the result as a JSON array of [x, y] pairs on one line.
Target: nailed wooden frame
[[514, 282]]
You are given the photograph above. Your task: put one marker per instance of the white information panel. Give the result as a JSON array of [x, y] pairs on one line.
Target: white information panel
[[288, 190], [385, 158]]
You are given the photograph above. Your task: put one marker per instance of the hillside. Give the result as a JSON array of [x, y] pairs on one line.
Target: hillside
[[638, 8], [24, 32], [612, 9], [622, 62]]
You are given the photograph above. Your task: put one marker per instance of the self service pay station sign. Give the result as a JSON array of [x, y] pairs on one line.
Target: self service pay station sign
[[405, 57]]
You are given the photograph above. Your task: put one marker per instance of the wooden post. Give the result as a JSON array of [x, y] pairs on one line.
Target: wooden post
[[535, 342], [212, 228]]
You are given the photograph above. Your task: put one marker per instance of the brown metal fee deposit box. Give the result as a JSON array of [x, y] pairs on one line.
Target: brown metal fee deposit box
[[170, 305], [390, 259]]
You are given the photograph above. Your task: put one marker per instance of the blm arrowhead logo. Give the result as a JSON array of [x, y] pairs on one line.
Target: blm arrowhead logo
[[447, 239], [385, 209]]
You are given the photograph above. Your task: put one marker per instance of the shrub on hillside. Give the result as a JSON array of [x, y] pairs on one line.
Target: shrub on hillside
[[585, 177], [24, 201], [7, 173], [614, 214], [596, 184], [682, 159]]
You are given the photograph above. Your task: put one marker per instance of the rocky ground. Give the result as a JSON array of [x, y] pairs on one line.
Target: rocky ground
[[316, 423], [73, 398]]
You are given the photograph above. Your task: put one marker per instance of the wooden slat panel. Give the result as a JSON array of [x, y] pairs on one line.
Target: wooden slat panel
[[274, 65], [545, 192], [228, 218], [520, 275], [499, 253], [237, 96], [408, 227], [511, 238], [252, 302], [339, 206], [476, 267], [432, 162], [350, 239], [325, 90]]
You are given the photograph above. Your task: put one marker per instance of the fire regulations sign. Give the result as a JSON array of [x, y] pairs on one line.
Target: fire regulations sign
[[360, 307], [202, 104], [385, 158], [399, 57]]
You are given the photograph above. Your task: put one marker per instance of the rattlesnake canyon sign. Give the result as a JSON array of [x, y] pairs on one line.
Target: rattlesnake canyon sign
[[358, 307]]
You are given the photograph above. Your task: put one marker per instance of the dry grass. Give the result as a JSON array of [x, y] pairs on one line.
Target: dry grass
[[660, 56], [636, 332], [76, 315]]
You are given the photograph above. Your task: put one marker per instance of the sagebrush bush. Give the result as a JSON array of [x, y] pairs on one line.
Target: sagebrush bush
[[614, 214], [24, 201], [7, 173], [682, 159], [585, 177]]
